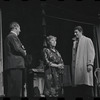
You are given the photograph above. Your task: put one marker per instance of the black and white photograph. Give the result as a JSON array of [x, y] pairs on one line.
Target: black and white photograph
[[50, 49]]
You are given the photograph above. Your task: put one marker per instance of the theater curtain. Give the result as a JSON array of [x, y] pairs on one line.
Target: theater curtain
[[97, 57], [1, 59]]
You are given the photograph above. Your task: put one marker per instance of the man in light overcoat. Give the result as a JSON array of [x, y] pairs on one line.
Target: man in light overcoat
[[82, 64]]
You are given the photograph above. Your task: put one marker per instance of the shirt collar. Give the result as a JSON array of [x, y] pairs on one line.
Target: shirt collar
[[14, 33]]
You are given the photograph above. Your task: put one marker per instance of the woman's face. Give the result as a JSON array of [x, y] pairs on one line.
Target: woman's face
[[52, 42]]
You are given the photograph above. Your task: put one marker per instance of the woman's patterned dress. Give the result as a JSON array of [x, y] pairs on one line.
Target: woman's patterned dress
[[53, 75]]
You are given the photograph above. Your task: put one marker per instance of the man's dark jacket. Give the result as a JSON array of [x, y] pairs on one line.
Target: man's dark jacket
[[14, 53]]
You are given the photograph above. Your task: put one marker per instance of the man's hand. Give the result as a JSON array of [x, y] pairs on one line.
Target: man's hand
[[89, 68]]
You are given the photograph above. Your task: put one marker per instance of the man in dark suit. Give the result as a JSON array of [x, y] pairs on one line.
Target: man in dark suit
[[14, 61]]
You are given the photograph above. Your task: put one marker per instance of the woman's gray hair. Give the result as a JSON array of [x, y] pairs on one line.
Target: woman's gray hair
[[50, 37]]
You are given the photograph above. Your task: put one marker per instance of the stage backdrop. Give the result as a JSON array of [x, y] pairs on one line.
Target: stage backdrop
[[61, 24]]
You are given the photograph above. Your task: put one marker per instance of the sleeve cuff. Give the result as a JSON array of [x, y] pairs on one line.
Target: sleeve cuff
[[90, 65]]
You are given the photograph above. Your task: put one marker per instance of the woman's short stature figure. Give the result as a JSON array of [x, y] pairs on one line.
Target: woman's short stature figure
[[54, 67]]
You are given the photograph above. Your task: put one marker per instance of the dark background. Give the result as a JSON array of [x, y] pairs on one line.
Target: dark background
[[29, 15]]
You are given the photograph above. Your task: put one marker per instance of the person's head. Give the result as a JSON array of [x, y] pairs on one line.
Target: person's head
[[51, 40], [78, 31], [15, 27]]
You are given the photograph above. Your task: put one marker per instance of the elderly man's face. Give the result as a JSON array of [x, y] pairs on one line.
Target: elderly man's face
[[18, 30], [77, 33]]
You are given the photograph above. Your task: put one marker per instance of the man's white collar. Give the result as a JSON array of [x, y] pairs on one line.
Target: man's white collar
[[14, 33]]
